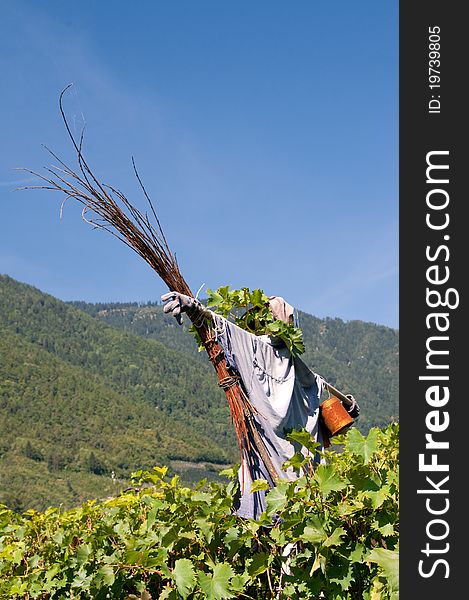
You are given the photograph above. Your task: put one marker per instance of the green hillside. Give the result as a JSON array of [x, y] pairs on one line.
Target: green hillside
[[91, 400], [90, 393]]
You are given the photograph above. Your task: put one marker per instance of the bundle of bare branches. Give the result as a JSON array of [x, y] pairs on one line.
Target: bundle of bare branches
[[105, 207]]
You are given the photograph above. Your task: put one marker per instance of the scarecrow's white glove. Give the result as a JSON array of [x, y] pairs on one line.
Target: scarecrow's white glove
[[179, 303]]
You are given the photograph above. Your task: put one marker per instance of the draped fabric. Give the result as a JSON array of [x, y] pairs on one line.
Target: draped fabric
[[286, 395]]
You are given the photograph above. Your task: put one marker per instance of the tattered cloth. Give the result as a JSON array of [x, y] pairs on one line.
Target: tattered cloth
[[286, 395]]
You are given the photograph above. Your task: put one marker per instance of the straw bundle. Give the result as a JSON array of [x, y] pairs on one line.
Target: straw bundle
[[105, 207]]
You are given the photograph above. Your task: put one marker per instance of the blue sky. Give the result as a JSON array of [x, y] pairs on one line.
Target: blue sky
[[266, 134]]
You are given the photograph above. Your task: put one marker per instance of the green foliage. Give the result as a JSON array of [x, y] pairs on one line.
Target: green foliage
[[164, 540], [251, 311]]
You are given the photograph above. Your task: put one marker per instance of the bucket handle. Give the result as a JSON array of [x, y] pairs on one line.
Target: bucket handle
[[342, 397]]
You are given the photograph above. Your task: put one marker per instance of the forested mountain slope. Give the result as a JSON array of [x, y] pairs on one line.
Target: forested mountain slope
[[72, 387], [89, 393]]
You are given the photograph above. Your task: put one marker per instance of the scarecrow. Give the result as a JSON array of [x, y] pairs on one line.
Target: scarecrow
[[283, 392], [268, 389]]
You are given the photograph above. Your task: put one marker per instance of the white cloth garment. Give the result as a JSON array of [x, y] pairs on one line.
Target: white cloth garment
[[284, 391]]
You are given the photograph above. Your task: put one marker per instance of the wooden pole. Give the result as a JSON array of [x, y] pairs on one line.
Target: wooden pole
[[341, 396], [234, 393]]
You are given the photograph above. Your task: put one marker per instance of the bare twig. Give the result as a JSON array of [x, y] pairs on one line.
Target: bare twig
[[107, 208]]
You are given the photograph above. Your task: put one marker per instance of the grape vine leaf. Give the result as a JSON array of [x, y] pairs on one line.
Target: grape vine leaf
[[216, 586], [304, 438], [184, 576], [259, 485], [335, 538], [106, 574], [363, 446], [276, 500], [259, 564], [83, 552], [388, 560], [328, 479], [314, 531]]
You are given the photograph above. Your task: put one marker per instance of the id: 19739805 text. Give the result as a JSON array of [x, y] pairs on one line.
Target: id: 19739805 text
[[434, 73]]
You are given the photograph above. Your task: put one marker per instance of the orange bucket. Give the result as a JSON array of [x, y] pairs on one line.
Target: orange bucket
[[334, 416]]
